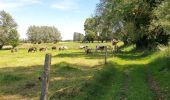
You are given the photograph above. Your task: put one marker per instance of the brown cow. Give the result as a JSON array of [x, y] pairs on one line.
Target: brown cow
[[114, 43], [42, 49], [14, 50], [32, 49], [54, 48], [88, 50]]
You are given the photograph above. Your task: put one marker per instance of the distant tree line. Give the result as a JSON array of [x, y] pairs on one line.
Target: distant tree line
[[8, 30], [43, 34], [36, 34]]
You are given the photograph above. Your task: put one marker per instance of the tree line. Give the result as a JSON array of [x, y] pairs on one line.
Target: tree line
[[144, 23], [36, 34]]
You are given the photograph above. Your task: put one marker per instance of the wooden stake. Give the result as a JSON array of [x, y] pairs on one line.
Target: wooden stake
[[105, 55], [45, 77]]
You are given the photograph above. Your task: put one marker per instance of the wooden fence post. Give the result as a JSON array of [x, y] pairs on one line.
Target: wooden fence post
[[45, 77], [105, 61]]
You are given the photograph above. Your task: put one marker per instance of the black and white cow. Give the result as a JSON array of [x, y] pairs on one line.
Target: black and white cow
[[101, 48]]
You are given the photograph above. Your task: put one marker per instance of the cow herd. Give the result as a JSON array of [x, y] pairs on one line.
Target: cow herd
[[43, 49], [98, 48], [86, 49], [34, 49]]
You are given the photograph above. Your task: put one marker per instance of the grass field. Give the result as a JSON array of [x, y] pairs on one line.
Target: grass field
[[128, 75]]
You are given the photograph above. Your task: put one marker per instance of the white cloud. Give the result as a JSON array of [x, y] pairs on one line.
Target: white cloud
[[65, 5], [8, 5], [30, 1], [13, 4]]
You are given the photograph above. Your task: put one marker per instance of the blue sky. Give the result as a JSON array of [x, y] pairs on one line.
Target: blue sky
[[67, 15]]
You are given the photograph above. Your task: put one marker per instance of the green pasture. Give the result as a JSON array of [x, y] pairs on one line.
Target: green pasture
[[77, 76]]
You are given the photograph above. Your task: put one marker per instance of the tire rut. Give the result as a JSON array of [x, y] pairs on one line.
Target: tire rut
[[124, 89], [155, 88]]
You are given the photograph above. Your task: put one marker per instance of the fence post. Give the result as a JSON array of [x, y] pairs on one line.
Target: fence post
[[105, 61], [45, 77]]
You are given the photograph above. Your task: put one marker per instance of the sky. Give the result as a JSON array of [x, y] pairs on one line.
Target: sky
[[68, 16]]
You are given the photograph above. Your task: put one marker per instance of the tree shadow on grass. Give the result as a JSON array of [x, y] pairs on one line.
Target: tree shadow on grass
[[113, 82], [101, 84], [110, 83], [71, 82], [160, 73], [110, 80], [21, 81], [133, 55], [24, 81]]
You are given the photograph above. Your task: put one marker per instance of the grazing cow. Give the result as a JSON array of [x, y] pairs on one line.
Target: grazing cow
[[60, 48], [42, 49], [54, 48], [114, 43], [101, 48], [14, 50], [82, 47], [88, 50], [63, 48], [32, 49]]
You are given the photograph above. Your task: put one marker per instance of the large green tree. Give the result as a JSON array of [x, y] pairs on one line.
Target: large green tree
[[90, 29], [132, 19], [97, 29], [160, 24], [8, 30]]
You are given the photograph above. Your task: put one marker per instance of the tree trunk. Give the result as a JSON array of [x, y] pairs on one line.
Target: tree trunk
[[141, 44], [125, 42], [1, 46]]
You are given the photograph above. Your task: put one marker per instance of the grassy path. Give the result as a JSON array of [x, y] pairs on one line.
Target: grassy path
[[124, 81], [119, 85]]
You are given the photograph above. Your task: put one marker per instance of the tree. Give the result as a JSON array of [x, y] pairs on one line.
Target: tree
[[46, 34], [90, 29], [90, 36], [7, 28], [78, 36], [160, 27], [135, 17], [13, 38]]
